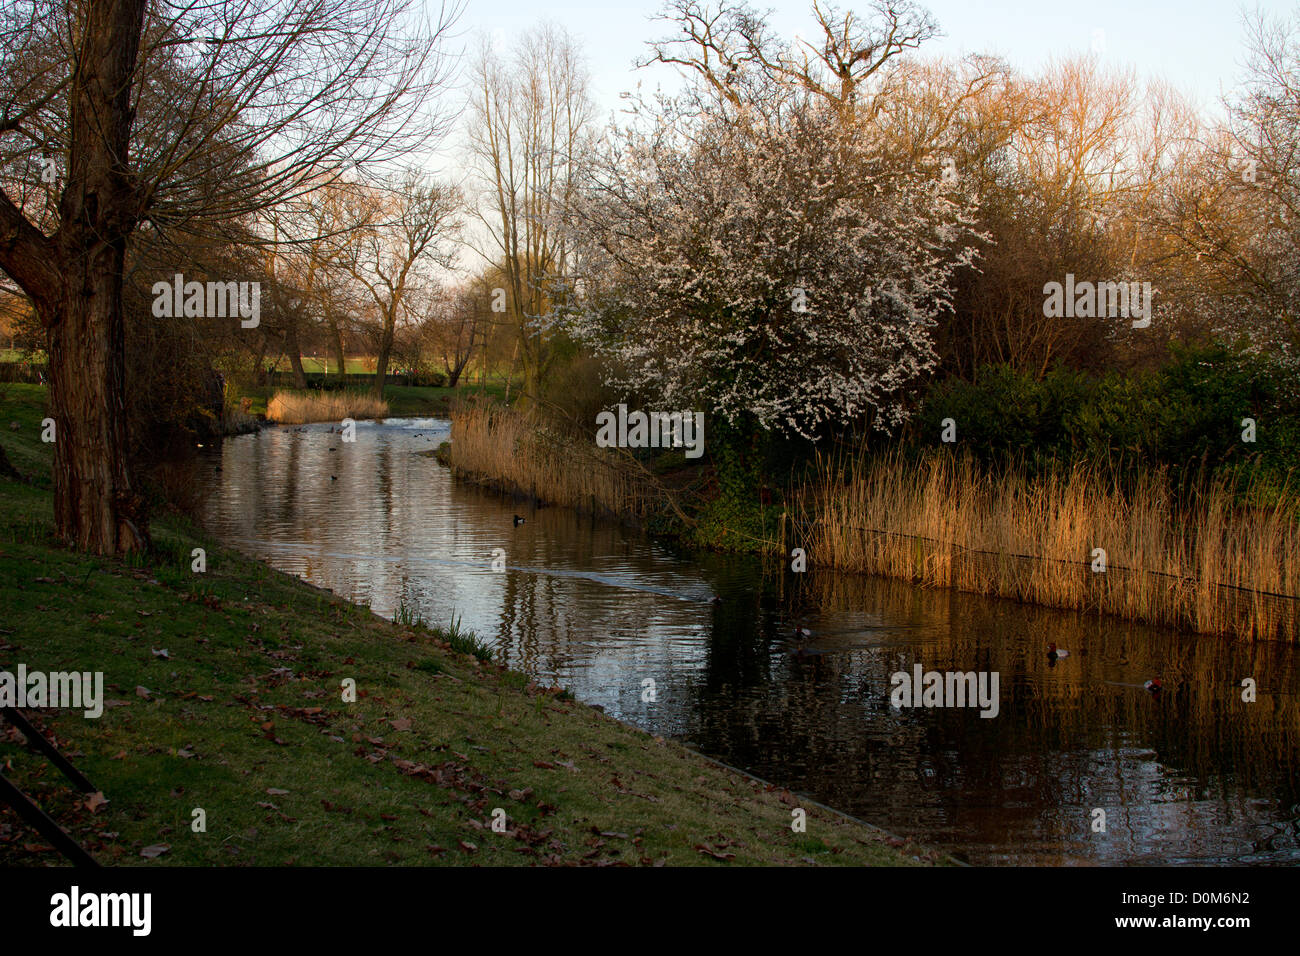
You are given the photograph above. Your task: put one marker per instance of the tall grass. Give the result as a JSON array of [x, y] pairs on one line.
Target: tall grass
[[1197, 560], [297, 408], [516, 451]]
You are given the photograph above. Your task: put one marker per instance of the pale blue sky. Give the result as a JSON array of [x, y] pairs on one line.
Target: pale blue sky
[[1196, 44]]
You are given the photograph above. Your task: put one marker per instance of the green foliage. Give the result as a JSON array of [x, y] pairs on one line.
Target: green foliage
[[408, 616], [1187, 416], [734, 518], [467, 642]]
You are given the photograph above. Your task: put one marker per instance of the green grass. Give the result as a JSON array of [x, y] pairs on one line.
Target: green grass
[[244, 717]]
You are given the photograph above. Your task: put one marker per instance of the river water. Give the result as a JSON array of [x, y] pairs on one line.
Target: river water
[[1193, 775]]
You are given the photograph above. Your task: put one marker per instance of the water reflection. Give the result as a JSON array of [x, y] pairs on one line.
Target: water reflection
[[1192, 775]]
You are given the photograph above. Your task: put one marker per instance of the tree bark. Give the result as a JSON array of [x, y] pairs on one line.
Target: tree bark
[[74, 279], [95, 508]]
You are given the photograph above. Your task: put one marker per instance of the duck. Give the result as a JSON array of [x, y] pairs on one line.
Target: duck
[[1055, 654], [1153, 685], [802, 632], [519, 521], [334, 477], [715, 599]]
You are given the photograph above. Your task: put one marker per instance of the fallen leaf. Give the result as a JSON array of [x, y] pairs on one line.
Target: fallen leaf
[[401, 723], [95, 801], [160, 652], [276, 791], [142, 692], [155, 851]]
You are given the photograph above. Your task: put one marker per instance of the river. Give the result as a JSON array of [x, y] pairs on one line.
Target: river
[[1193, 775]]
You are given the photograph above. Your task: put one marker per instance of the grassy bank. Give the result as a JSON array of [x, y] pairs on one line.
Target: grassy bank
[[223, 693]]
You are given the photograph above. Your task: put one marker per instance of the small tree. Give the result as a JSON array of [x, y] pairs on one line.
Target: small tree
[[767, 264]]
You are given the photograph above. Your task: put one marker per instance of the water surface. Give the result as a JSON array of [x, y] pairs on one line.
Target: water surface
[[1194, 775]]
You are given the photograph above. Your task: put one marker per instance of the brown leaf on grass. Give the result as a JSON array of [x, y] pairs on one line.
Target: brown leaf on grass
[[155, 851], [709, 851], [401, 723], [544, 765], [120, 755], [144, 692], [468, 847], [276, 792], [95, 801]]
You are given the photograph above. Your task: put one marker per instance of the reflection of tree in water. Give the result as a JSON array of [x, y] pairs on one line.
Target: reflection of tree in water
[[1176, 770]]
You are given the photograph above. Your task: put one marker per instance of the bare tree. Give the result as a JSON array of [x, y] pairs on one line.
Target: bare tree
[[189, 117], [529, 130], [396, 233]]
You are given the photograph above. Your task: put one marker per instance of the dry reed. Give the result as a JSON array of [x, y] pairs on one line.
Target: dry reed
[[1203, 563], [297, 408], [511, 450]]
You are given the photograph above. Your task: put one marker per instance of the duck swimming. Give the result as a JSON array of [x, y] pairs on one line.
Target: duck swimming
[[1055, 654], [1153, 685], [519, 521]]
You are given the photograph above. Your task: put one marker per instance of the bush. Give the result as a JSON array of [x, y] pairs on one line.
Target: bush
[[1186, 415]]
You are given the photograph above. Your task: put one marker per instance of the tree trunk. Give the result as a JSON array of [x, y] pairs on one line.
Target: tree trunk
[[95, 508], [338, 351], [295, 354], [385, 349]]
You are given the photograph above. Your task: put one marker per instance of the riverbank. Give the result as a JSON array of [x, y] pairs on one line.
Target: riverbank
[[1077, 539], [223, 694], [403, 401]]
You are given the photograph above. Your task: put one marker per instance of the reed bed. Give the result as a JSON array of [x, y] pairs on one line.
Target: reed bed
[[298, 408], [515, 451], [1202, 562]]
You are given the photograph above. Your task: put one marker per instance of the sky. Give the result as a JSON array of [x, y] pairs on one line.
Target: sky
[[1197, 45]]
